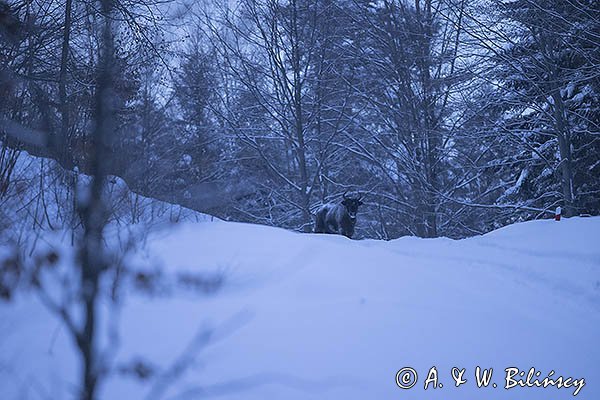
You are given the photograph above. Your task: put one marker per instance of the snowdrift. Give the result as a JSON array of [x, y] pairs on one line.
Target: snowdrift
[[305, 316]]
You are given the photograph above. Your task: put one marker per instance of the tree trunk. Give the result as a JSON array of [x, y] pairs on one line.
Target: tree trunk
[[564, 145], [62, 142], [299, 128]]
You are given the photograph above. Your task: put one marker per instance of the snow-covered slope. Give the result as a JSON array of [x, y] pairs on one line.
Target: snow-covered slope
[[303, 316]]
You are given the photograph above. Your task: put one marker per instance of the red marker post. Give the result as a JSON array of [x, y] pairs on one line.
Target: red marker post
[[557, 214]]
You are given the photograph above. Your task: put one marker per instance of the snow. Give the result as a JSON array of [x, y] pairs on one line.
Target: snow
[[517, 186], [305, 316]]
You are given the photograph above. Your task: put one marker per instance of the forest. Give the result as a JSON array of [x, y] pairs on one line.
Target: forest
[[450, 117]]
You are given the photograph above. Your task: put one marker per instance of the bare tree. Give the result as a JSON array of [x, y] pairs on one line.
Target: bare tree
[[276, 54]]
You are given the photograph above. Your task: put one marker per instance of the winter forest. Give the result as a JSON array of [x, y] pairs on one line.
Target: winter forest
[[447, 118], [451, 117]]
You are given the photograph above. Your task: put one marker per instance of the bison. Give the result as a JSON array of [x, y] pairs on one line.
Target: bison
[[338, 218]]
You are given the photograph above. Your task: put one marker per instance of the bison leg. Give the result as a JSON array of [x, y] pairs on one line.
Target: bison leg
[[332, 227], [348, 232], [320, 226]]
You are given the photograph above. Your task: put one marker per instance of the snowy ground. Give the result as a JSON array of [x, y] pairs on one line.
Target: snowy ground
[[304, 316]]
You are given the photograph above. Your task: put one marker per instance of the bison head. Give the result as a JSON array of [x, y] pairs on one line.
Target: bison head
[[351, 204]]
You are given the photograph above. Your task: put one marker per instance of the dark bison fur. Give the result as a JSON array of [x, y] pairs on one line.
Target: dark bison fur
[[338, 218]]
